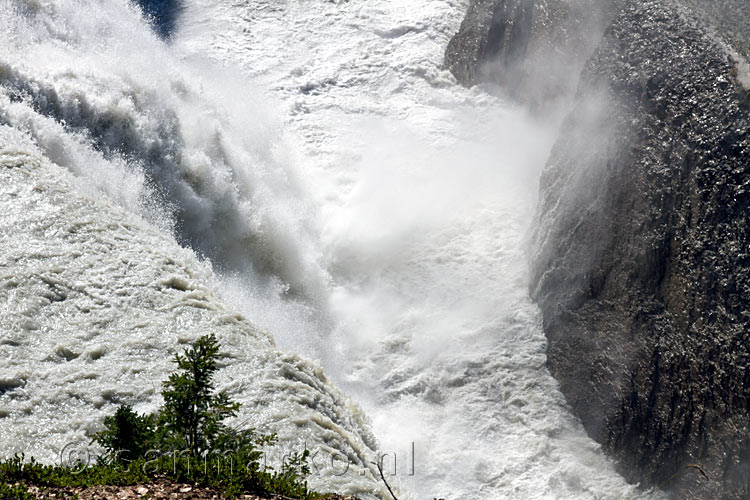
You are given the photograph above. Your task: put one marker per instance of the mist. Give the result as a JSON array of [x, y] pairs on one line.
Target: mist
[[353, 221]]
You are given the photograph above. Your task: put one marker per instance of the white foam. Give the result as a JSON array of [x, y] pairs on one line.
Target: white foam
[[425, 192], [372, 218]]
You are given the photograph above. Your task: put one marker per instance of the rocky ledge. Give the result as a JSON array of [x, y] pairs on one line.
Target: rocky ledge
[[160, 489]]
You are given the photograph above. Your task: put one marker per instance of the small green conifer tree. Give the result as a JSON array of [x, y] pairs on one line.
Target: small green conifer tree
[[193, 413]]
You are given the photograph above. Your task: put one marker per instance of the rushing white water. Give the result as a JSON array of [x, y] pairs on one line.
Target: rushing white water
[[351, 199], [93, 301]]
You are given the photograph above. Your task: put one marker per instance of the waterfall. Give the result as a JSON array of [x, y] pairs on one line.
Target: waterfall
[[306, 169]]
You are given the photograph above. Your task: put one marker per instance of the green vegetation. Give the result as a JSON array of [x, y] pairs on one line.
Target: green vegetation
[[14, 492], [186, 441], [192, 413]]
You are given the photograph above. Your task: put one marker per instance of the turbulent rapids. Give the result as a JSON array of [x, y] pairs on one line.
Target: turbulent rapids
[[303, 179]]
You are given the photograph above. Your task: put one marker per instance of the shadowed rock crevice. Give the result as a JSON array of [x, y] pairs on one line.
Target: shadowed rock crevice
[[534, 50], [163, 15], [493, 36]]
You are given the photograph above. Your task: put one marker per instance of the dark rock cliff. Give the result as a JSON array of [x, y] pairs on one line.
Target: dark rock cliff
[[535, 49], [642, 247], [642, 269]]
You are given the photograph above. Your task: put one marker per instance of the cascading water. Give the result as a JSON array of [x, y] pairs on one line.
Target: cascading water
[[377, 226]]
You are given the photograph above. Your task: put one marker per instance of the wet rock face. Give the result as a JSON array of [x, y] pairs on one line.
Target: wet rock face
[[642, 249], [642, 263], [533, 49], [494, 31], [729, 17]]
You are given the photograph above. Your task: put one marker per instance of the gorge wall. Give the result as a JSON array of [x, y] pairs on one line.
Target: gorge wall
[[641, 262], [534, 49]]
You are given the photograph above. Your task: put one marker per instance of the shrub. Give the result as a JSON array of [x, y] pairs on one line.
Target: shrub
[[186, 441], [191, 419], [189, 427], [193, 414], [14, 492], [128, 435]]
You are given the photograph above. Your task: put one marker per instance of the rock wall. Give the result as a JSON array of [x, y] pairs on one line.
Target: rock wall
[[641, 260], [534, 49], [642, 268]]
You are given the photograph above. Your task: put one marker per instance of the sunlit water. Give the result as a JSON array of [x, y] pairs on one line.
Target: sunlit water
[[328, 181]]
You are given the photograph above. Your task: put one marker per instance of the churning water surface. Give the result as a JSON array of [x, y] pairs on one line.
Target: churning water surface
[[327, 180]]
